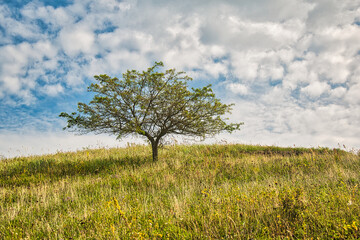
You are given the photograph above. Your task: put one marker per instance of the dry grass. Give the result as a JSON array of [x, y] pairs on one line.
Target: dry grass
[[201, 192]]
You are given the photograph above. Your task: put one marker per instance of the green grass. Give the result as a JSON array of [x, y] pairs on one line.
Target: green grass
[[192, 192]]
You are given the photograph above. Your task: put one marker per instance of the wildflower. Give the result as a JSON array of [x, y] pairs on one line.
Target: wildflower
[[353, 225], [116, 203]]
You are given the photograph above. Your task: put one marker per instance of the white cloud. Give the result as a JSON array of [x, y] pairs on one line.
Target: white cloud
[[53, 90], [315, 89], [245, 65], [331, 13], [300, 72], [353, 95], [45, 49], [21, 66], [237, 88], [15, 28], [77, 40], [215, 69], [289, 60], [11, 84], [287, 124], [338, 92]]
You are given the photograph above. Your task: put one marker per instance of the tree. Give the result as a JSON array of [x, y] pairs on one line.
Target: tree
[[151, 104]]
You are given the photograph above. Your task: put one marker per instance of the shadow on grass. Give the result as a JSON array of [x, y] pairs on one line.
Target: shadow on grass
[[33, 172]]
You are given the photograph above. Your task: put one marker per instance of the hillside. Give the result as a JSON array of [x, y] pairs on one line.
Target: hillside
[[200, 191]]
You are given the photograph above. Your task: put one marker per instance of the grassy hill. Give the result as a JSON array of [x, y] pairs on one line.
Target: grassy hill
[[192, 192]]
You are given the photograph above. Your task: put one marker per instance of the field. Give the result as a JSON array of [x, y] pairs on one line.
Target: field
[[192, 192]]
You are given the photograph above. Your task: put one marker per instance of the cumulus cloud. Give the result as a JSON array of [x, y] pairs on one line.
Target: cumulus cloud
[[290, 60], [237, 88], [353, 95], [22, 66], [76, 40], [53, 90], [315, 89], [338, 92]]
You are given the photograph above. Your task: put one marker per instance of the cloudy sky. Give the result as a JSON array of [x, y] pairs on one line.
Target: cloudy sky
[[292, 67]]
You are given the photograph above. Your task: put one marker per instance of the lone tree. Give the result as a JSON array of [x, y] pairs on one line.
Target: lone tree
[[152, 104]]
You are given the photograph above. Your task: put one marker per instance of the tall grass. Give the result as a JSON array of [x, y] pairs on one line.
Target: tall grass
[[192, 192]]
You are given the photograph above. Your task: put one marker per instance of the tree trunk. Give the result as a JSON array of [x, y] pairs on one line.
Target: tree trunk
[[154, 146]]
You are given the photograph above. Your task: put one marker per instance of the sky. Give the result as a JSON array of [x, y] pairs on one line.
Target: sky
[[292, 67]]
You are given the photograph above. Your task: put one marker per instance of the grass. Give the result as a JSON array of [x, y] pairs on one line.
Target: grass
[[192, 192]]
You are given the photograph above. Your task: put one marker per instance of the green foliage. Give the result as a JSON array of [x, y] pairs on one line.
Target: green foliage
[[151, 104], [193, 192]]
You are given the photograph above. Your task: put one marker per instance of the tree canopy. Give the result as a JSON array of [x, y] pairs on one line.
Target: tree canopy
[[151, 104]]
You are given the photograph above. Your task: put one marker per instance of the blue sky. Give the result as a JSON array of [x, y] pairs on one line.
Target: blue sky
[[290, 66]]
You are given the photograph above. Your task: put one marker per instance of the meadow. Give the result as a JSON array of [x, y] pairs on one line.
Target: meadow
[[192, 192]]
